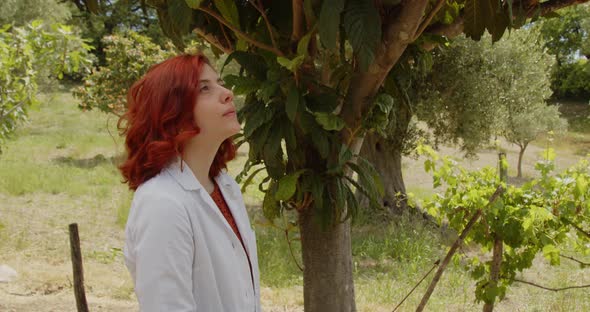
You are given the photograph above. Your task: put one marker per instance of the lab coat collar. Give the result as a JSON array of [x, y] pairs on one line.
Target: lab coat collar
[[183, 174]]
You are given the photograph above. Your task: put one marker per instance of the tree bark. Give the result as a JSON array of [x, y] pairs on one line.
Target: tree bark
[[387, 160], [495, 270], [386, 156], [520, 156], [327, 276]]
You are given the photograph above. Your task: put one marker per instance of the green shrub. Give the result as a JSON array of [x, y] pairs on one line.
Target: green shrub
[[129, 55]]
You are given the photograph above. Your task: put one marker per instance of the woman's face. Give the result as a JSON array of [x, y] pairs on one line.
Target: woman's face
[[214, 112]]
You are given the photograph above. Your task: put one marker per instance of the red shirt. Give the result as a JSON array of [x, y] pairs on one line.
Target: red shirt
[[217, 197]]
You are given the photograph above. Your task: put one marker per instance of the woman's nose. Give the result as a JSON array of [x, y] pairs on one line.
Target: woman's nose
[[227, 96]]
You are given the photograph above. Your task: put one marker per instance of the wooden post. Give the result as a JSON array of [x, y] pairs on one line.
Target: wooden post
[[78, 270], [498, 242]]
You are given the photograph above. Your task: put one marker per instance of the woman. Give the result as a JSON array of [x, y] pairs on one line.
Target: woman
[[189, 245]]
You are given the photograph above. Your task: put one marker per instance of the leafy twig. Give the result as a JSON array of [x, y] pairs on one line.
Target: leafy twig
[[576, 260], [21, 103], [549, 288], [240, 33], [260, 9], [291, 250], [212, 40], [431, 15]]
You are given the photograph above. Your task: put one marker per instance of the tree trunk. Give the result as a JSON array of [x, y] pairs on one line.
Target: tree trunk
[[327, 275], [495, 270], [386, 156], [520, 156], [387, 160]]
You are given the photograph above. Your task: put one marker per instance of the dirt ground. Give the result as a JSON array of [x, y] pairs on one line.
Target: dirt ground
[[41, 252]]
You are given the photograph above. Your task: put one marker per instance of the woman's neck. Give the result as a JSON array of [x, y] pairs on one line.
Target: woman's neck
[[199, 155]]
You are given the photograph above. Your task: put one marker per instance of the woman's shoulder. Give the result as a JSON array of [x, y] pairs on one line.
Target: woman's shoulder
[[157, 200], [160, 187]]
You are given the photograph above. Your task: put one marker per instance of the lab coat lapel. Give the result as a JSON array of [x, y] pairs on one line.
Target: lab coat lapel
[[185, 177], [237, 210]]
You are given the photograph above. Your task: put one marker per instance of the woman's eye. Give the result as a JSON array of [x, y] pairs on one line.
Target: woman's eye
[[204, 88]]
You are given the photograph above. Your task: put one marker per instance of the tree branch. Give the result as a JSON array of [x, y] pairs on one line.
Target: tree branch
[[260, 9], [456, 28], [12, 109], [240, 33], [213, 40], [297, 19], [428, 19], [581, 230], [576, 260], [549, 288], [401, 25], [553, 5], [225, 36]]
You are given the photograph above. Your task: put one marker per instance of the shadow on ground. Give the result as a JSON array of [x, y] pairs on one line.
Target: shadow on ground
[[87, 163]]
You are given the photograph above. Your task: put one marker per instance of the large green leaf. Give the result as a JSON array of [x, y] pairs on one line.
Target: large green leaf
[[329, 121], [362, 24], [330, 22], [181, 15], [288, 186], [291, 65], [258, 118], [241, 85], [375, 178], [228, 10], [194, 3], [270, 207], [304, 42], [477, 14], [253, 63], [272, 152], [321, 142], [292, 103]]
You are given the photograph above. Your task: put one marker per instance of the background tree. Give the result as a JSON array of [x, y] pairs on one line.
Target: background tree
[[22, 12], [568, 39], [315, 79], [479, 89], [128, 57], [525, 124], [98, 19], [24, 51]]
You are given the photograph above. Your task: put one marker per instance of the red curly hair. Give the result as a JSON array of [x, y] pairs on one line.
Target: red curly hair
[[159, 119]]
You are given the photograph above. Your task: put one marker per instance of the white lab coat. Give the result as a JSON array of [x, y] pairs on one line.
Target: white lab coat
[[181, 252]]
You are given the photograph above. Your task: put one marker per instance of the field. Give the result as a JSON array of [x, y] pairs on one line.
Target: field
[[59, 168]]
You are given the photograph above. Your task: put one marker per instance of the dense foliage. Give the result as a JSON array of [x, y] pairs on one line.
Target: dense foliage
[[568, 39], [546, 215], [128, 57], [24, 52]]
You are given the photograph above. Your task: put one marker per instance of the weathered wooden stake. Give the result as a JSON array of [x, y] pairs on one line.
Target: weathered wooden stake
[[78, 269]]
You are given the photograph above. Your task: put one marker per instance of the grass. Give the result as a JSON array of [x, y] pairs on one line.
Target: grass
[[578, 136], [59, 168]]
